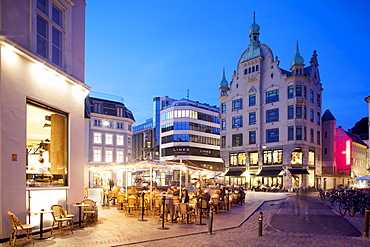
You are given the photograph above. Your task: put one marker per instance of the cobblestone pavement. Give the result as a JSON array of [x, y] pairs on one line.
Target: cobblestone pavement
[[237, 227], [247, 235]]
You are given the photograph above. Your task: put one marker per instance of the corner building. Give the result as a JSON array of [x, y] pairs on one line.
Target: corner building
[[271, 119], [108, 140], [42, 92]]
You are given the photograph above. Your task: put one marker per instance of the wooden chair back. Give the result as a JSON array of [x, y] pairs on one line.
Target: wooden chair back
[[58, 211], [16, 224], [90, 205], [18, 227]]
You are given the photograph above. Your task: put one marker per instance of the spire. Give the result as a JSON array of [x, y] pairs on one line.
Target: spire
[[224, 85], [298, 59], [254, 31], [253, 50]]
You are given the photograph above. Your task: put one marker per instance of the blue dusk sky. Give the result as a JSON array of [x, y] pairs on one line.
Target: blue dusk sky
[[140, 49]]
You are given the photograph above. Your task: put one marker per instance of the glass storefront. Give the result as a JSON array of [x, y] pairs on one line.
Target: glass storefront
[[47, 142]]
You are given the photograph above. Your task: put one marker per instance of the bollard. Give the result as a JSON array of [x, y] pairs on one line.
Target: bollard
[[227, 199], [260, 223], [210, 222], [163, 214], [142, 208], [366, 227]]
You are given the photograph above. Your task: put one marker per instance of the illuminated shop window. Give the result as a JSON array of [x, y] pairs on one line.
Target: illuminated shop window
[[241, 159], [311, 158], [271, 157], [233, 159], [253, 158], [47, 146], [297, 156]]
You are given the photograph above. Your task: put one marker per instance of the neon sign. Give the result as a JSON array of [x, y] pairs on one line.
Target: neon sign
[[348, 152]]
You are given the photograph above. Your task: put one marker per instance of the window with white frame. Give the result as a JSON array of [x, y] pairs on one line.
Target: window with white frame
[[120, 157], [272, 115], [97, 155], [252, 99], [129, 141], [50, 31], [109, 139], [237, 104], [237, 122], [119, 125], [108, 156], [120, 140], [223, 107], [97, 122], [97, 137], [223, 124]]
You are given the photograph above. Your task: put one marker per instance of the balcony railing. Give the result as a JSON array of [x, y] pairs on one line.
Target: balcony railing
[[332, 172]]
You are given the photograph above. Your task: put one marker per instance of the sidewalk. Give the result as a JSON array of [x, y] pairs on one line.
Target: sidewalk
[[115, 228], [238, 227]]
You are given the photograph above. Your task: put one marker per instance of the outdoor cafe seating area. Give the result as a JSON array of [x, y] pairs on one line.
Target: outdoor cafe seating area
[[171, 204], [61, 221]]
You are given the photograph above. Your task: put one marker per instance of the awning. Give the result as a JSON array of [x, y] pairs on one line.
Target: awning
[[269, 172], [297, 171], [234, 173], [362, 178]]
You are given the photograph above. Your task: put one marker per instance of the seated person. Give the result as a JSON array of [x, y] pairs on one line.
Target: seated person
[[216, 194], [206, 196], [176, 191], [184, 196]]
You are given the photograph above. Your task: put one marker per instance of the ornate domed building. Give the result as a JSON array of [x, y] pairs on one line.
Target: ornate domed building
[[271, 119]]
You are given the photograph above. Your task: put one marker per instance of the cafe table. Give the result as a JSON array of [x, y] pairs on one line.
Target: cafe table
[[41, 212], [80, 206]]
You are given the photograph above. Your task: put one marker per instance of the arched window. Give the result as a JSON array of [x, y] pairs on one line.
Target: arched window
[[253, 69], [257, 68], [250, 70], [245, 71]]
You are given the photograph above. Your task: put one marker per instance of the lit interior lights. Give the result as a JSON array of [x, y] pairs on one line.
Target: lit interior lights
[[105, 123]]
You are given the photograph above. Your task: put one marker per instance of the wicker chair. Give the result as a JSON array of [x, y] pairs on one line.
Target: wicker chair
[[186, 213], [131, 206], [120, 201], [18, 228], [203, 206], [61, 218], [216, 205], [89, 211]]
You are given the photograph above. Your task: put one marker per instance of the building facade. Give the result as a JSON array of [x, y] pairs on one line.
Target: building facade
[[271, 119], [180, 131], [367, 99], [108, 140], [345, 155], [42, 94]]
